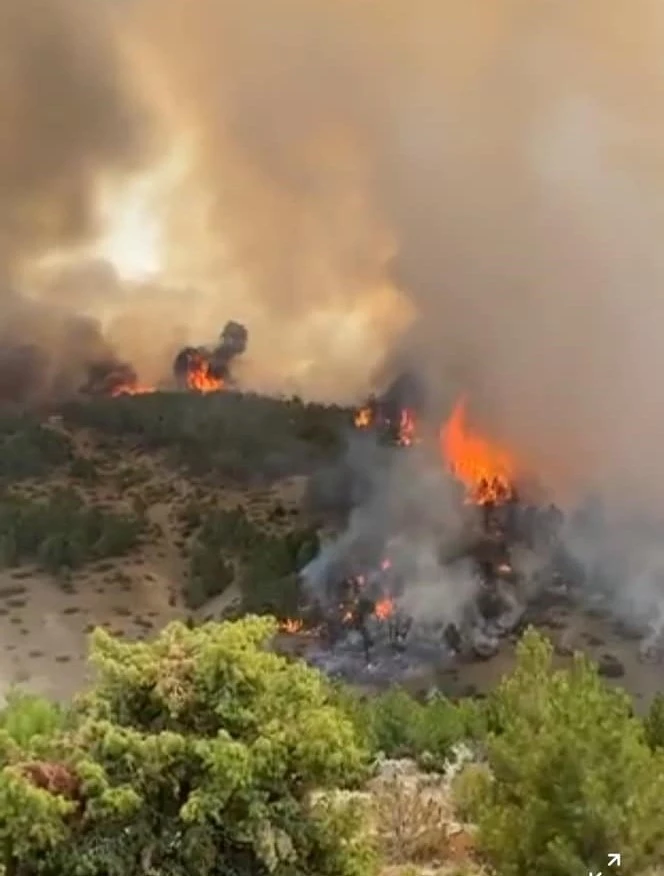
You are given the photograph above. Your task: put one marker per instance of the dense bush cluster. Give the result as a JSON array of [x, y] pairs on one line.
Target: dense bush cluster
[[205, 752], [229, 543], [30, 449], [572, 774], [61, 532], [398, 725], [241, 436], [567, 774], [195, 754]]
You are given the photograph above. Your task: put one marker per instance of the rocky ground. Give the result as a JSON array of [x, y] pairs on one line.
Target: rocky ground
[[410, 816]]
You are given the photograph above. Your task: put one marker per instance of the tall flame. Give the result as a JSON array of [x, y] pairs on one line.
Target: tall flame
[[363, 418], [487, 470], [200, 377], [407, 428]]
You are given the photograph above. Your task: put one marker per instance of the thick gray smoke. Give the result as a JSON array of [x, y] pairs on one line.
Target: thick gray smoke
[[499, 163], [67, 117], [407, 513]]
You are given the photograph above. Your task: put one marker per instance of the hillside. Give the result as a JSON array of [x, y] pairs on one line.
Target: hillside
[[127, 513], [158, 468]]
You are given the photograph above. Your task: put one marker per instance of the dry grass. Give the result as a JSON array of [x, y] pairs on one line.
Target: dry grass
[[414, 822]]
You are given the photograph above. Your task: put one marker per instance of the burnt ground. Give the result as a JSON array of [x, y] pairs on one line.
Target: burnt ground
[[571, 628]]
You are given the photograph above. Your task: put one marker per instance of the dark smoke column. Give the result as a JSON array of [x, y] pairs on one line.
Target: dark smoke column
[[234, 340]]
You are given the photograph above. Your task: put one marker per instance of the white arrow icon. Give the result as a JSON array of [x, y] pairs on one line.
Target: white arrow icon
[[599, 873], [614, 860]]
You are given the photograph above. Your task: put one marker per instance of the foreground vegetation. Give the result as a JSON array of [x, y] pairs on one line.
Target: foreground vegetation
[[204, 752]]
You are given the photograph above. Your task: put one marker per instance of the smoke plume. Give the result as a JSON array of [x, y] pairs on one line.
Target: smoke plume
[[487, 176], [492, 168]]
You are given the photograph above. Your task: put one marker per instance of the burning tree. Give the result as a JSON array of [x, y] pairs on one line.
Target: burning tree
[[487, 471], [205, 369], [365, 582], [395, 413]]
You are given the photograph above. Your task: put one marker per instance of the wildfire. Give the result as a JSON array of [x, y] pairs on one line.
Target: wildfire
[[291, 625], [407, 428], [200, 377], [363, 418], [486, 470], [384, 608]]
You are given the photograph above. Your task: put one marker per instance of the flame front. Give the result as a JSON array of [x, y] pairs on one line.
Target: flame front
[[363, 418], [485, 469], [407, 428], [291, 625], [200, 377], [384, 608]]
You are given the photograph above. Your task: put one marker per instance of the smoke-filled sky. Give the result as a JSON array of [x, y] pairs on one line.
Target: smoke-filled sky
[[328, 170]]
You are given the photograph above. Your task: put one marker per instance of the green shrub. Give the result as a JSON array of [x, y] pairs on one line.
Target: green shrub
[[573, 778], [26, 716], [397, 725], [84, 469], [242, 437], [195, 753], [210, 576]]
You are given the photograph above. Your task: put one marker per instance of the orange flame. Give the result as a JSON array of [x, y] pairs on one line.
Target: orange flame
[[363, 418], [384, 608], [407, 428], [486, 470], [291, 625], [200, 378]]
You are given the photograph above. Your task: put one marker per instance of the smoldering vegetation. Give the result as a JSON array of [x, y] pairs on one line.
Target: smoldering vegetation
[[415, 575]]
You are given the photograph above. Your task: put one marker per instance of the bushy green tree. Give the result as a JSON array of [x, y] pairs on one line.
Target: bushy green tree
[[195, 754], [572, 777]]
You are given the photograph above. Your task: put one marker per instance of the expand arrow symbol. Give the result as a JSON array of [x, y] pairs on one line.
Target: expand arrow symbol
[[599, 873], [614, 860]]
